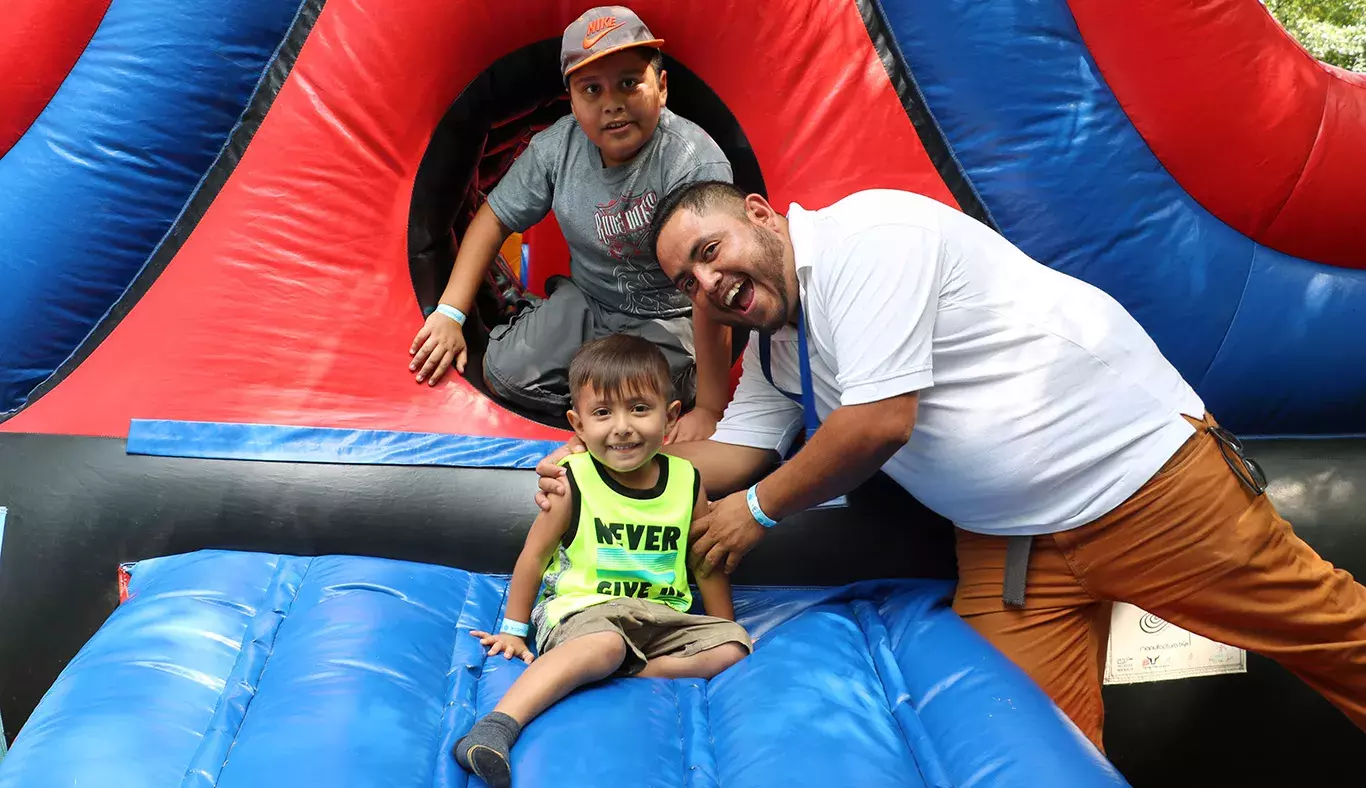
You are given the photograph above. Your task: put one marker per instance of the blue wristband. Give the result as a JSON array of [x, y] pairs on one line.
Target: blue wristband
[[752, 498], [517, 628], [452, 313]]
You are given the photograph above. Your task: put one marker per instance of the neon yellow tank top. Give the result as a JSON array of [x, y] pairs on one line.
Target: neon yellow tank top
[[621, 542]]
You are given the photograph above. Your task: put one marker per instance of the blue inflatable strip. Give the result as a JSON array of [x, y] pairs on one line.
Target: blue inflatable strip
[[223, 441], [691, 697], [1269, 341], [96, 182]]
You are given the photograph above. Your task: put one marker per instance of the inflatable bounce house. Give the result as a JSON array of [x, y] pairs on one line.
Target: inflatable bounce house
[[242, 547]]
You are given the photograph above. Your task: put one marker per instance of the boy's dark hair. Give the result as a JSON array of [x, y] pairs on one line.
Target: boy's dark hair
[[618, 366], [699, 197]]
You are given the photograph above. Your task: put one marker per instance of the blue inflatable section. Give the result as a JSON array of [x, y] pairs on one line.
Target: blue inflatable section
[[281, 443], [1272, 342], [92, 187], [239, 669]]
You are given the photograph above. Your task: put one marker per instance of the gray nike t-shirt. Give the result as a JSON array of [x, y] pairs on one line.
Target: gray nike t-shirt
[[605, 212]]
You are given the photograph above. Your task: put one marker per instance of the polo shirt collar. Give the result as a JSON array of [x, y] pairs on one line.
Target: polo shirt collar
[[801, 228]]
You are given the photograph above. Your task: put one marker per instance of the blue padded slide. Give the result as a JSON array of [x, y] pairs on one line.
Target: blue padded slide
[[242, 669]]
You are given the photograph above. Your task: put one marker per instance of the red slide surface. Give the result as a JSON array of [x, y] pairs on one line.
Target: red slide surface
[[40, 40], [291, 301], [1264, 136]]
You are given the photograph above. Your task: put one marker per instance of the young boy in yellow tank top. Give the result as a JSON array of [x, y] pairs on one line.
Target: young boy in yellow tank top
[[612, 557]]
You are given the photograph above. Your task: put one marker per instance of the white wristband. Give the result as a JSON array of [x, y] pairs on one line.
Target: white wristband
[[517, 628], [452, 313]]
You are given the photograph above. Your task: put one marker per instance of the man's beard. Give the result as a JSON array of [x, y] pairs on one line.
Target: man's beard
[[767, 267]]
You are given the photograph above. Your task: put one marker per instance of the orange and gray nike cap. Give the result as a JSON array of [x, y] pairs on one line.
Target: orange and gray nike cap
[[600, 32]]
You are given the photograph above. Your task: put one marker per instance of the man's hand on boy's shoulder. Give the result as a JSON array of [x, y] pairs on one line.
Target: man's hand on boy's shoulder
[[439, 343], [551, 475], [509, 645]]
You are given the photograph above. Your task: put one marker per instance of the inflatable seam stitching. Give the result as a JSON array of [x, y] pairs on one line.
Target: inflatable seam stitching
[[1232, 320], [894, 43], [896, 694], [683, 739], [1304, 166], [462, 689], [245, 677], [223, 149], [694, 720]]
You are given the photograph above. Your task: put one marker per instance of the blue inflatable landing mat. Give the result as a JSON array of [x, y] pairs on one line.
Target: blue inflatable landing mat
[[242, 669]]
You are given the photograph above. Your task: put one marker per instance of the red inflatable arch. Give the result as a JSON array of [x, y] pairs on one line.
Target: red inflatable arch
[[1264, 136], [290, 302]]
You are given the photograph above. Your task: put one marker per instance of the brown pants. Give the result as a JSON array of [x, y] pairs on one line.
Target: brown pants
[[1193, 546]]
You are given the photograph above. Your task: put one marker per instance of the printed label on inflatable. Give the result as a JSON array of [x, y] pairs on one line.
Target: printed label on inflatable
[[1144, 647]]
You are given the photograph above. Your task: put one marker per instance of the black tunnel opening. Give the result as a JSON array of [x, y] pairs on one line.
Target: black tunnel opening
[[486, 128]]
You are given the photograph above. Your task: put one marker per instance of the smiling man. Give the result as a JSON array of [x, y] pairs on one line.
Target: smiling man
[[1027, 407]]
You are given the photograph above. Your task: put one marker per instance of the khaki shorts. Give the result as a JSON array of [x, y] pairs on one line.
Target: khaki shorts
[[650, 629]]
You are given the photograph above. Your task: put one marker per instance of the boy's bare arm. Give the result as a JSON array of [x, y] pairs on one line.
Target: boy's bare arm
[[441, 341], [715, 589], [482, 240], [546, 532], [541, 541]]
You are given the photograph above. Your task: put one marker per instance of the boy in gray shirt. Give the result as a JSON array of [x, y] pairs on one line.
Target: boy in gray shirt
[[601, 169]]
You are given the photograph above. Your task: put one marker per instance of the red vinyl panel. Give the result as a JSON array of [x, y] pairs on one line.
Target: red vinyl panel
[[40, 40]]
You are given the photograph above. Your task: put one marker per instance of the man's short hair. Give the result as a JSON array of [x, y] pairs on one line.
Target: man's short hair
[[618, 366], [700, 197]]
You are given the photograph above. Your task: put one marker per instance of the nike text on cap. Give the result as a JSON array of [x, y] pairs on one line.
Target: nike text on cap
[[600, 32]]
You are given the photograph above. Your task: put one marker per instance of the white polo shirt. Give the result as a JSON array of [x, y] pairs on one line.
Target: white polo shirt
[[1043, 403]]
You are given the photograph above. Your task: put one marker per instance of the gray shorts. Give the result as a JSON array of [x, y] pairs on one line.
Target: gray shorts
[[527, 361], [650, 629]]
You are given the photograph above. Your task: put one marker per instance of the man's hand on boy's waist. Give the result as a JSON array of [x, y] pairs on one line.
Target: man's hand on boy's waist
[[723, 536]]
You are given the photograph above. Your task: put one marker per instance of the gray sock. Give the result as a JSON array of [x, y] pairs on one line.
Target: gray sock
[[485, 749]]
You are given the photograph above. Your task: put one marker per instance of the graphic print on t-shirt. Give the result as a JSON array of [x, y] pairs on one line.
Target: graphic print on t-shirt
[[623, 227], [639, 561]]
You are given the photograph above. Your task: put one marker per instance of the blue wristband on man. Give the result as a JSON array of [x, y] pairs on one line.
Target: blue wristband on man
[[511, 627], [757, 511]]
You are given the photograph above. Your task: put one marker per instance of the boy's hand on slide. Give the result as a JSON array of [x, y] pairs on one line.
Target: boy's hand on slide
[[552, 474], [440, 342], [510, 645], [697, 424]]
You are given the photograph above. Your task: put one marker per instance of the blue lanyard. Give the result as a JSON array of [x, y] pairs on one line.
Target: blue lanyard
[[807, 398]]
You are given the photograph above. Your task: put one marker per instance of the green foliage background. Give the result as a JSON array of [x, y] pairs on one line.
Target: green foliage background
[[1333, 30]]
